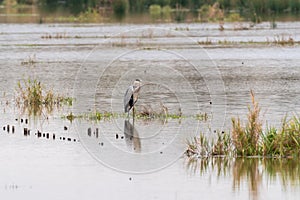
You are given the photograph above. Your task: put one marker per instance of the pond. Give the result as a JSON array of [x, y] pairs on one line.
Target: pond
[[188, 69]]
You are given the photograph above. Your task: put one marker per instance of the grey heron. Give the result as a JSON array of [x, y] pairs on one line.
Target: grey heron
[[131, 96]]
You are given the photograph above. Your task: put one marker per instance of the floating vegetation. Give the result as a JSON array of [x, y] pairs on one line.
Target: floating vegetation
[[95, 116], [249, 139], [147, 113], [55, 36], [32, 96], [182, 28], [281, 40], [202, 117], [30, 61], [205, 42]]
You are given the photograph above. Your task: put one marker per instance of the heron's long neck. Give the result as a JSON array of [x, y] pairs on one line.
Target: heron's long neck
[[137, 89]]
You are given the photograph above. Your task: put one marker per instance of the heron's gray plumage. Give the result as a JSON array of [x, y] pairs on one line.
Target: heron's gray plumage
[[127, 97], [131, 95]]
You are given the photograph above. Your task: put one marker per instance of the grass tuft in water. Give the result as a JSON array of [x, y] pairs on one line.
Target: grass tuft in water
[[32, 96], [250, 139], [284, 142], [246, 138]]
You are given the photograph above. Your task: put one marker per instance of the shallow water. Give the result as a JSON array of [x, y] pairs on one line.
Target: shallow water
[[96, 63]]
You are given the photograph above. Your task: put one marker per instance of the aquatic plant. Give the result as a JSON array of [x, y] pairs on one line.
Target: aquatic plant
[[182, 28], [250, 139], [283, 40], [278, 40], [222, 145], [246, 138], [202, 116], [32, 96], [30, 61], [284, 142], [198, 146], [55, 36], [205, 42]]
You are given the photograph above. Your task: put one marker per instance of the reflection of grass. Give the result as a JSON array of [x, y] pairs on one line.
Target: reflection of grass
[[33, 97], [221, 164], [248, 170], [288, 170], [250, 139]]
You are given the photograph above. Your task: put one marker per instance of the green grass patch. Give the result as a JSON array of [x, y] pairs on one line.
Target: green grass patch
[[32, 96], [249, 139]]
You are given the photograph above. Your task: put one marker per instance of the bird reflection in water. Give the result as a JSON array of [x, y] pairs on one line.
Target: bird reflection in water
[[132, 136]]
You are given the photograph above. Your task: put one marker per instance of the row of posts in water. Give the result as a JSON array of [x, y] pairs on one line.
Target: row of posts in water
[[95, 133], [39, 134]]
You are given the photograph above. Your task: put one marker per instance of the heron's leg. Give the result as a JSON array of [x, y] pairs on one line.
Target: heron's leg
[[133, 113]]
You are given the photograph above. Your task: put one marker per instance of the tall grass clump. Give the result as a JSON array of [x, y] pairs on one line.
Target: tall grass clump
[[250, 139], [284, 142], [246, 138], [32, 96], [202, 146]]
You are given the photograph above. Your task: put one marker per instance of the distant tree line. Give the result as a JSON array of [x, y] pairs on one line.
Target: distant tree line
[[121, 7]]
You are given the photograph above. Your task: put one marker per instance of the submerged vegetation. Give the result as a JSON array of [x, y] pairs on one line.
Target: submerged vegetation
[[33, 97], [249, 139]]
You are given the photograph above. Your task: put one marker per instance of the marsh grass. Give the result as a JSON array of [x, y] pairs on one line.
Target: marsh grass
[[278, 40], [283, 40], [249, 140], [245, 138], [202, 117], [283, 142], [55, 36], [205, 42], [222, 145], [30, 61], [33, 97], [199, 146], [146, 113]]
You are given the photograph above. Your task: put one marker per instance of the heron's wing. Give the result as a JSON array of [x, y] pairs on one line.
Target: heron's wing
[[127, 97]]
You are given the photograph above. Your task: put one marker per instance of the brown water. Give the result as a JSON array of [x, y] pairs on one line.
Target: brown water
[[96, 63]]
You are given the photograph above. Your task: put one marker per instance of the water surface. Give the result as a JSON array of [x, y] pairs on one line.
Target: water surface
[[95, 63]]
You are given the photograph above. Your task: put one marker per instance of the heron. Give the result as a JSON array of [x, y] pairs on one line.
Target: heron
[[131, 96]]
